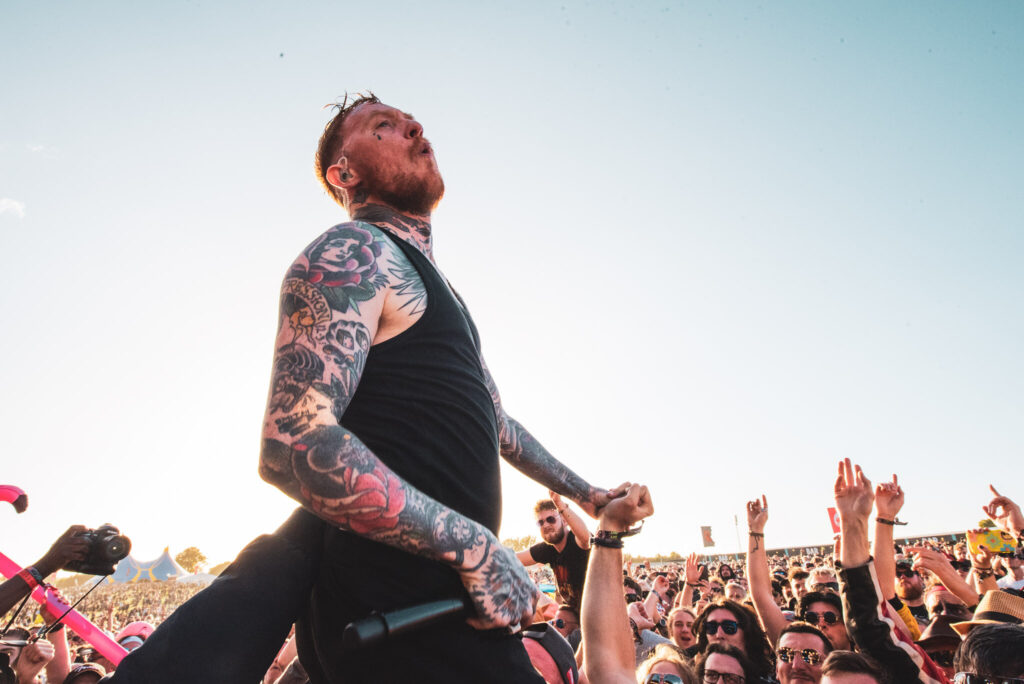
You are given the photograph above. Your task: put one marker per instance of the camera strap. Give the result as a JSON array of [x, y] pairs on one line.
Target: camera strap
[[15, 616], [53, 625]]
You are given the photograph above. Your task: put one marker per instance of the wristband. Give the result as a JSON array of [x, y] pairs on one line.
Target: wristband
[[890, 523], [759, 535], [31, 577], [613, 540], [691, 584]]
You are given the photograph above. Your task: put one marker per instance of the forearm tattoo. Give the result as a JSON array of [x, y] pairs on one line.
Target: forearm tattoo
[[322, 350], [528, 456]]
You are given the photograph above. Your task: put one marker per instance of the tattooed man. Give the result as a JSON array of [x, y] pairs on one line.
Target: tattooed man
[[384, 422]]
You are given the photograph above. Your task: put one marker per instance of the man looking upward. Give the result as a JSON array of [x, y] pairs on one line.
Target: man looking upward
[[566, 548], [384, 422]]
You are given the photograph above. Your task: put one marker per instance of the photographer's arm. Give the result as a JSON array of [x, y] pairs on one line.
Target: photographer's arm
[[68, 547], [311, 457], [524, 453]]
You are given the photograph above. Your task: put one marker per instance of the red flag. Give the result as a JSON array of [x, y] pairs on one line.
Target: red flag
[[833, 517], [705, 532]]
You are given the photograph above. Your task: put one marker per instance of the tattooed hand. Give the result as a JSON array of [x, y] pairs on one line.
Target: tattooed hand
[[502, 591], [599, 498]]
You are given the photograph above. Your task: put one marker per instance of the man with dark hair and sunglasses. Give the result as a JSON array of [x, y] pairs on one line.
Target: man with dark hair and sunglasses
[[800, 653], [824, 610], [565, 547]]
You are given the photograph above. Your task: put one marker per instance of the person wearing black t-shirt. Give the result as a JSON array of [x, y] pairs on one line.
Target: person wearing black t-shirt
[[566, 548]]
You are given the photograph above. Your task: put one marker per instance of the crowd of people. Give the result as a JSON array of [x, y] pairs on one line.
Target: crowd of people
[[864, 613]]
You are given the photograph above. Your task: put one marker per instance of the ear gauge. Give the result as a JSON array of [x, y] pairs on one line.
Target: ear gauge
[[345, 175]]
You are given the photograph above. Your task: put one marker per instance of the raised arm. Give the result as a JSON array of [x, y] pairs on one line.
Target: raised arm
[[328, 321], [758, 576], [524, 453], [888, 502], [607, 640], [575, 522]]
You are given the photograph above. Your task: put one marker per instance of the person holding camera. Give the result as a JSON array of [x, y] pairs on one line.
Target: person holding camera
[[69, 547]]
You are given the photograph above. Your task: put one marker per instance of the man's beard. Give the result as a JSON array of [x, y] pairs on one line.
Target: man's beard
[[557, 537], [909, 592], [408, 193]]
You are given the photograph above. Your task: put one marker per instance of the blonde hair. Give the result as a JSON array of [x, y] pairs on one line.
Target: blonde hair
[[667, 653]]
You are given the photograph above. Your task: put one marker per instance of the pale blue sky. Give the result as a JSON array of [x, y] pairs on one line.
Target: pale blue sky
[[710, 246]]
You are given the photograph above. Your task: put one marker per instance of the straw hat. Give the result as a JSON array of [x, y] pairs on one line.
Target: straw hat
[[996, 606]]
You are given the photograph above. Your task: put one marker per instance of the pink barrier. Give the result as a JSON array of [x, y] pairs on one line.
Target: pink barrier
[[106, 646]]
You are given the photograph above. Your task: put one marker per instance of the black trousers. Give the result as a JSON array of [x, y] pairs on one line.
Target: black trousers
[[231, 631]]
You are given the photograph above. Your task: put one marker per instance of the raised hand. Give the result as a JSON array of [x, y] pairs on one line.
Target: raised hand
[[931, 560], [68, 547], [501, 589], [757, 514], [854, 497], [1004, 513], [32, 660], [693, 568], [599, 498], [888, 499], [632, 505]]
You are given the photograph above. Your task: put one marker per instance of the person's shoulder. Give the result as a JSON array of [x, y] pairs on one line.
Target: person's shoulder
[[542, 551]]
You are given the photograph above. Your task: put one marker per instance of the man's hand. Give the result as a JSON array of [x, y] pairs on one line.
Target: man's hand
[[1004, 513], [502, 591], [888, 499], [854, 497], [638, 614], [757, 514], [629, 503], [660, 585], [599, 498], [32, 660], [68, 547], [931, 560]]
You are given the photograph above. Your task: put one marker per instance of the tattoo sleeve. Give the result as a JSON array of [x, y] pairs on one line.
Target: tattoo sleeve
[[331, 303], [528, 456]]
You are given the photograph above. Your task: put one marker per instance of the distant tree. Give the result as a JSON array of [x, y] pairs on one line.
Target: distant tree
[[519, 543], [192, 559], [219, 568]]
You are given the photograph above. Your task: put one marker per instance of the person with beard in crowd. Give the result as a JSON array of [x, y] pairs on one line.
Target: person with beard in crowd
[[565, 547], [731, 623]]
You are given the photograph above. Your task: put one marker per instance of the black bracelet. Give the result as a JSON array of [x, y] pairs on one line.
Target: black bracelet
[[759, 535], [890, 523], [613, 540], [690, 584], [606, 542]]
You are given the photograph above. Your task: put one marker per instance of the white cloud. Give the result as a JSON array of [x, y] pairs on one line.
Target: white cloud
[[13, 206], [43, 150]]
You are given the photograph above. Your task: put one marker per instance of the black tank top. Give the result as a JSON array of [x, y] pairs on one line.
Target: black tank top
[[423, 408]]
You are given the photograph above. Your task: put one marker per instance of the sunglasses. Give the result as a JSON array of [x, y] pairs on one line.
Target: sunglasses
[[968, 678], [663, 678], [942, 658], [814, 618], [906, 572], [809, 655], [730, 627], [712, 676], [550, 520]]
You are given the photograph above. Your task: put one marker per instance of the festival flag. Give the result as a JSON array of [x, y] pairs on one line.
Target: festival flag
[[705, 532], [833, 517]]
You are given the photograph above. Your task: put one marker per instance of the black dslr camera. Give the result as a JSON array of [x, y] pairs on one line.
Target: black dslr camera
[[106, 548]]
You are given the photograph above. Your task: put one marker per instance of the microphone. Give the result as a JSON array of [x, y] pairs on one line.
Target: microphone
[[377, 628]]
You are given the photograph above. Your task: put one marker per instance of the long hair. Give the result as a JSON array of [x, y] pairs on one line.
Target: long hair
[[755, 642]]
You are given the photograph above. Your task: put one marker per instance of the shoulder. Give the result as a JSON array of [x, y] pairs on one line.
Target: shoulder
[[349, 263], [542, 551]]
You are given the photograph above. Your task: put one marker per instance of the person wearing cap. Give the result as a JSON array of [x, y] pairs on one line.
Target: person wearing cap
[[85, 673], [26, 659]]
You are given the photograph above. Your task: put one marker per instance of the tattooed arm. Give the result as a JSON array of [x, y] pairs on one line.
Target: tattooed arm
[[329, 318], [528, 456]]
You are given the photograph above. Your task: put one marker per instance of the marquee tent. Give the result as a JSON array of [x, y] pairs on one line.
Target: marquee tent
[[161, 569]]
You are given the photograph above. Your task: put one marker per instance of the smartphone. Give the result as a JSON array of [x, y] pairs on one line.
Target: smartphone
[[994, 540]]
